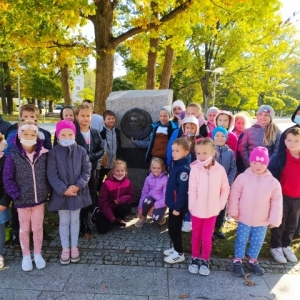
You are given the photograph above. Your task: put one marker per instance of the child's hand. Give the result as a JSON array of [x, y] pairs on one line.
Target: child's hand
[[73, 188], [132, 139], [116, 201], [69, 193], [236, 218], [2, 207], [150, 212], [176, 213]]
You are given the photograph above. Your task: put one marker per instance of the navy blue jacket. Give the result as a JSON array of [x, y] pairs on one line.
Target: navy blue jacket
[[178, 183], [277, 164]]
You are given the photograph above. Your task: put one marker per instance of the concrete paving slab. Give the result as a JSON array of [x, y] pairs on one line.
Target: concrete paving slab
[[218, 285], [52, 278], [118, 280], [64, 296], [9, 294], [120, 297], [284, 287]]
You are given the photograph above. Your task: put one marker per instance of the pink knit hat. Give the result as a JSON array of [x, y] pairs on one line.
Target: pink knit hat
[[260, 154], [64, 124]]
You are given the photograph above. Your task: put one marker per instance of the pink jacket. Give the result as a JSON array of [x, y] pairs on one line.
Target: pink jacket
[[256, 199], [208, 190]]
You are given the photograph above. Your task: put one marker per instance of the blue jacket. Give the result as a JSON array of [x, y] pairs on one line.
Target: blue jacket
[[149, 144], [226, 159], [177, 186], [277, 164]]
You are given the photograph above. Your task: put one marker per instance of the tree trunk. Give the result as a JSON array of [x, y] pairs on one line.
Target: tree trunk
[[65, 82], [3, 96], [167, 68], [152, 55], [39, 106], [103, 22], [205, 91], [50, 106]]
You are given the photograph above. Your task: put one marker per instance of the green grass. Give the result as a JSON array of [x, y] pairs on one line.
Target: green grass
[[225, 248]]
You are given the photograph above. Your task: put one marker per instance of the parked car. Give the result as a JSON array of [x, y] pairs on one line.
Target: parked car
[[57, 109]]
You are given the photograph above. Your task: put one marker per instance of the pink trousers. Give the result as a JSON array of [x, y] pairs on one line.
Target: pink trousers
[[31, 218], [202, 236]]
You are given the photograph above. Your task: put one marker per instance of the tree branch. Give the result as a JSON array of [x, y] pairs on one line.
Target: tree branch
[[133, 31]]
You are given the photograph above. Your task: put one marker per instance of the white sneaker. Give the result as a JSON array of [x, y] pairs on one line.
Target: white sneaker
[[277, 254], [194, 266], [174, 258], [204, 268], [230, 219], [186, 226], [27, 263], [39, 261], [169, 251], [289, 254]]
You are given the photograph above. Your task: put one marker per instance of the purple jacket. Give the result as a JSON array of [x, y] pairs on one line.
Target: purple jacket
[[155, 187]]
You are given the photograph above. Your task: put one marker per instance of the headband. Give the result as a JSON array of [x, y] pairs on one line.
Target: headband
[[27, 126]]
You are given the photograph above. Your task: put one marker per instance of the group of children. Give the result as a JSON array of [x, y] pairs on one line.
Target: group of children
[[194, 163]]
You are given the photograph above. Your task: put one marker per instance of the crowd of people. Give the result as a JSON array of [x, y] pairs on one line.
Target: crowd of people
[[203, 171]]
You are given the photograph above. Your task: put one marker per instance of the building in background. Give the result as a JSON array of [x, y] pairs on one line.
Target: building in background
[[78, 86]]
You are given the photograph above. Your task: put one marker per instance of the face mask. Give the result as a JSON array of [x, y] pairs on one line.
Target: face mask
[[188, 134], [119, 177], [206, 162], [27, 143], [297, 120], [66, 143]]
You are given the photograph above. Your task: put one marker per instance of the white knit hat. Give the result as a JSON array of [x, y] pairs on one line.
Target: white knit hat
[[178, 103], [212, 109]]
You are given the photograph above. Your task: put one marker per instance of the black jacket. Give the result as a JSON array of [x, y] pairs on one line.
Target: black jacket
[[95, 150], [4, 125], [277, 164]]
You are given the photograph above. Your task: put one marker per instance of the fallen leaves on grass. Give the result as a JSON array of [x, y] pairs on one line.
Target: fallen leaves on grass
[[184, 296], [247, 281], [104, 287], [88, 236]]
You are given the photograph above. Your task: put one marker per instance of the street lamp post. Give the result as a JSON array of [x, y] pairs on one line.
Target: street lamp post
[[215, 82]]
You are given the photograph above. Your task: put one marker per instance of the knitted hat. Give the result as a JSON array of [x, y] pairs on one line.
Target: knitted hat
[[219, 129], [64, 124], [178, 103], [193, 120], [167, 109], [260, 154], [266, 109], [212, 109]]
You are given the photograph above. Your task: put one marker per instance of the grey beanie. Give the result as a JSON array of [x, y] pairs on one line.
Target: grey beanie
[[167, 109], [266, 109], [212, 109]]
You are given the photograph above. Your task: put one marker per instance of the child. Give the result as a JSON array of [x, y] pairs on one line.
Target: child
[[208, 193], [153, 194], [285, 167], [115, 199], [111, 143], [178, 110], [68, 171], [90, 139], [27, 112], [226, 119], [159, 138], [96, 120], [242, 122], [255, 201], [210, 116], [177, 197], [263, 133], [4, 213], [25, 180], [225, 157], [194, 109]]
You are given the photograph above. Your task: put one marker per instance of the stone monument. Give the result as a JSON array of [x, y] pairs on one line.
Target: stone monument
[[135, 111]]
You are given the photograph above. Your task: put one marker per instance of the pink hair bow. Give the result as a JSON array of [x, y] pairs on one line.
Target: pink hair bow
[[260, 159]]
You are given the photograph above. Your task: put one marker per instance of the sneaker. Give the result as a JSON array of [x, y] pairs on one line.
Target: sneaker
[[39, 261], [277, 254], [169, 251], [174, 258], [186, 226], [1, 262], [15, 239], [26, 263], [237, 268], [289, 254], [162, 221], [204, 268], [75, 255], [122, 224], [219, 234], [255, 268], [140, 222], [194, 266], [65, 256]]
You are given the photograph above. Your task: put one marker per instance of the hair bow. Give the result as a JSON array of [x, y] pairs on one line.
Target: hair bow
[[260, 159]]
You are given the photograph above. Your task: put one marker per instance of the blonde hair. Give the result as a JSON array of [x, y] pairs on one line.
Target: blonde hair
[[159, 161], [30, 108], [184, 143], [114, 165], [196, 105], [245, 116], [208, 142], [81, 107], [270, 134]]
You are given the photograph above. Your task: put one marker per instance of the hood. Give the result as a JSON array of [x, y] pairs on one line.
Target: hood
[[231, 123], [183, 161], [61, 112], [294, 114], [249, 171], [193, 120]]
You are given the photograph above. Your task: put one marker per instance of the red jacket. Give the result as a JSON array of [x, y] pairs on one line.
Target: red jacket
[[114, 189]]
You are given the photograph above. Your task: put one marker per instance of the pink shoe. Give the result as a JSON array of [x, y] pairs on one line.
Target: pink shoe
[[65, 257], [75, 255]]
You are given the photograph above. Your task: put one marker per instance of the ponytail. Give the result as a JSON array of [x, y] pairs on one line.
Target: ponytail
[[270, 134]]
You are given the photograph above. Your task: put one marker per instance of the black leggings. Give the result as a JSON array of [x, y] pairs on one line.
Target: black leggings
[[175, 224]]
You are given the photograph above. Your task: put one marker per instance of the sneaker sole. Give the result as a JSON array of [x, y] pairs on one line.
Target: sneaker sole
[[204, 274], [64, 262], [174, 262], [292, 261], [281, 262], [260, 274], [75, 260], [193, 272]]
